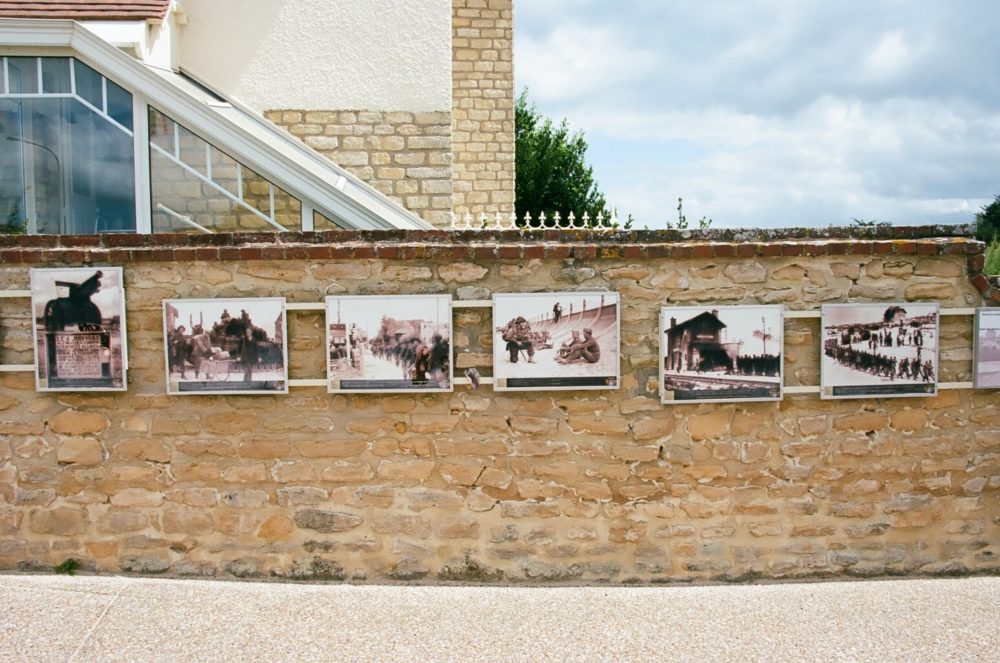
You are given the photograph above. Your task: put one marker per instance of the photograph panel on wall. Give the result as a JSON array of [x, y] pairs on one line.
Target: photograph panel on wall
[[879, 350], [721, 353], [556, 341], [225, 346], [987, 353], [389, 343], [78, 320]]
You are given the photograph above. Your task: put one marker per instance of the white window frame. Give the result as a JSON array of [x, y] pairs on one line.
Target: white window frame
[[317, 183]]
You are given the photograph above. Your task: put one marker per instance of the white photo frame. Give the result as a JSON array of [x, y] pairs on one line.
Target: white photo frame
[[721, 354], [592, 362], [78, 328], [389, 344], [232, 346], [884, 350], [986, 361]]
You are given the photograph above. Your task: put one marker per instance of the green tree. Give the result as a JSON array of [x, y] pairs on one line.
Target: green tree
[[988, 221], [552, 171]]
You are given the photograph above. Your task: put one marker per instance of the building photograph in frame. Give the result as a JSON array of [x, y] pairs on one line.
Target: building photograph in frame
[[556, 341], [389, 343], [987, 354], [879, 350], [78, 320], [225, 346], [721, 353]]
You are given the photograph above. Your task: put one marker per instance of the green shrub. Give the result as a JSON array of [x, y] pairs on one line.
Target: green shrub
[[993, 257], [67, 568]]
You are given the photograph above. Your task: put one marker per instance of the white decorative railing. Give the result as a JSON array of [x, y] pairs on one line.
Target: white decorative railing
[[511, 221]]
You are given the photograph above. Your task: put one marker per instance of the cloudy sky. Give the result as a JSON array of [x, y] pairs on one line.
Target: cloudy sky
[[775, 113]]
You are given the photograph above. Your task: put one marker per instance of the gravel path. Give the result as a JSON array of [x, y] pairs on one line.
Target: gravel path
[[45, 618]]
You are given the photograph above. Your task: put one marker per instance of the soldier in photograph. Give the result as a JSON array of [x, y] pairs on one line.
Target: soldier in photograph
[[421, 363], [177, 345], [200, 350], [587, 349], [567, 346], [248, 349], [517, 335], [557, 312], [439, 359]]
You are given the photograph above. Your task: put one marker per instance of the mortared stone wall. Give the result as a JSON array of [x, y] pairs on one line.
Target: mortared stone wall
[[479, 486]]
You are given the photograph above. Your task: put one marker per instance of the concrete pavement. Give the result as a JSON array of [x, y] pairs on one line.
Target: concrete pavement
[[89, 618]]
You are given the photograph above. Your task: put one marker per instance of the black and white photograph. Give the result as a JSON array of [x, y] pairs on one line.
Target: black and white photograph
[[556, 341], [79, 329], [987, 353], [880, 350], [721, 353], [225, 346], [389, 343]]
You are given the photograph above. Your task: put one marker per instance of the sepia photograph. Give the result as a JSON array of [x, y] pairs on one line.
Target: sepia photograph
[[225, 346], [987, 348], [79, 329], [880, 350], [389, 343], [556, 341], [721, 353]]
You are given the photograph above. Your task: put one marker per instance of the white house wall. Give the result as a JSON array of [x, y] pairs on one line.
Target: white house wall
[[323, 54]]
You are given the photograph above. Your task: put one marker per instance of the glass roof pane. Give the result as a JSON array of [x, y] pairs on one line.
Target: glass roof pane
[[193, 150], [23, 73], [119, 105], [161, 130], [199, 188], [88, 85], [55, 76]]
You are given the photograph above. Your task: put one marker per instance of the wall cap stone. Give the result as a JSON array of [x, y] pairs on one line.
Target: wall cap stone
[[504, 245]]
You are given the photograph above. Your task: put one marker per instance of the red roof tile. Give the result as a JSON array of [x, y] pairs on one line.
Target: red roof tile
[[86, 10]]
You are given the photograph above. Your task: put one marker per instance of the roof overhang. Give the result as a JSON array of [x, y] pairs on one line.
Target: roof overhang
[[245, 135]]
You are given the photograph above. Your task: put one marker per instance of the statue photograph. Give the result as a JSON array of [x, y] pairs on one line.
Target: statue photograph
[[79, 329]]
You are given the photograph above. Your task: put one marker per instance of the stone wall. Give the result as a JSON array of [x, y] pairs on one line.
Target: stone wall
[[407, 156], [483, 105], [501, 487]]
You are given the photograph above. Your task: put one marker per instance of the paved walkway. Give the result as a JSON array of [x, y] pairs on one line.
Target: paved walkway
[[44, 618]]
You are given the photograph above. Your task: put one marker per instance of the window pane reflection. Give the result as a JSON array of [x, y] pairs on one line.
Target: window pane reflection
[[55, 76], [23, 73], [197, 187], [88, 84], [73, 169]]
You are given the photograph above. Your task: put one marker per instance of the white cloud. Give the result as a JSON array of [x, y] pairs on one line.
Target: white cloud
[[574, 62], [801, 113], [901, 161], [890, 57]]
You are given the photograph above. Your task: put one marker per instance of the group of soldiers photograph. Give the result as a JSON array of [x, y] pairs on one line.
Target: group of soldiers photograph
[[759, 364], [419, 361], [910, 369], [389, 343], [232, 349]]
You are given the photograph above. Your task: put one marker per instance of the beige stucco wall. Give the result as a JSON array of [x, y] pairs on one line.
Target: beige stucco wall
[[477, 485], [322, 54]]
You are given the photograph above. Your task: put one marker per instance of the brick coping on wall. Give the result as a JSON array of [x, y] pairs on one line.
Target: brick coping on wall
[[505, 245]]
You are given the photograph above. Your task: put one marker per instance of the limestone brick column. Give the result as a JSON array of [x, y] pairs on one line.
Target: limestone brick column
[[483, 106]]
